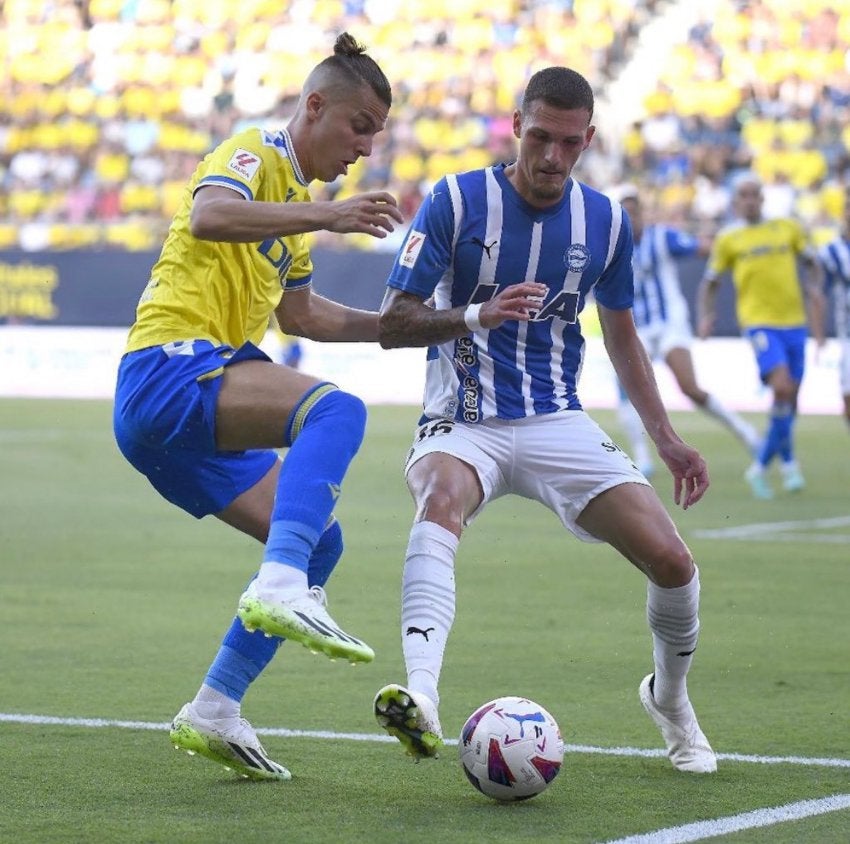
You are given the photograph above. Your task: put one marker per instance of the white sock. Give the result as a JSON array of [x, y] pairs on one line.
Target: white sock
[[212, 704], [427, 604], [280, 578], [673, 616], [635, 433], [739, 426]]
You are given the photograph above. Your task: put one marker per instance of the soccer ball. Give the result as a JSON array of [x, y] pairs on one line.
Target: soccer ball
[[511, 748]]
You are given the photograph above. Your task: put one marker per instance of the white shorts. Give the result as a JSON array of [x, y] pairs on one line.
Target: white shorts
[[563, 460], [660, 338]]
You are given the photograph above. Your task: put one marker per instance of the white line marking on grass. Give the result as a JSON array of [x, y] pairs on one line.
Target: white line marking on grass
[[701, 830], [282, 732], [18, 436], [806, 530]]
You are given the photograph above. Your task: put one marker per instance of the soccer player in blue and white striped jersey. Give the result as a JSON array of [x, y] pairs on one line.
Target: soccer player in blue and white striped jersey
[[835, 260], [492, 279], [664, 326]]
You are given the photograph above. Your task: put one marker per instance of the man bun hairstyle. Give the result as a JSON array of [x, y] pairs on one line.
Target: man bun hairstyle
[[349, 64], [558, 87]]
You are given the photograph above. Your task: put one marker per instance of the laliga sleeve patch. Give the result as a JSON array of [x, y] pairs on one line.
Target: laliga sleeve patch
[[412, 248], [244, 163]]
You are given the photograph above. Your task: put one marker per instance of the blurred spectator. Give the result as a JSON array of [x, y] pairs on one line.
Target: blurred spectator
[[108, 103]]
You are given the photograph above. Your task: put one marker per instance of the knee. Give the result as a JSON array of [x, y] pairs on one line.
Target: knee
[[442, 506], [783, 398], [671, 563], [784, 390], [351, 411], [344, 412]]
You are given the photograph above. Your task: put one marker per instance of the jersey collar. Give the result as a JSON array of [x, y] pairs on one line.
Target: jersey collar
[[290, 151]]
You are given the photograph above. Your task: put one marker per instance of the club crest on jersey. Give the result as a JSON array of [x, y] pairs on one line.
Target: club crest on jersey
[[244, 163], [577, 257], [412, 248]]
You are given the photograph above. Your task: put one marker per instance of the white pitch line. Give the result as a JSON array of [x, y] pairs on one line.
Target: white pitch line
[[701, 830], [282, 732], [18, 436], [803, 530]]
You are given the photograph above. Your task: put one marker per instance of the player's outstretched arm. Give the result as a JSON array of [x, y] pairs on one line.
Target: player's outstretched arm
[[407, 321], [305, 313], [223, 215], [706, 305], [634, 369]]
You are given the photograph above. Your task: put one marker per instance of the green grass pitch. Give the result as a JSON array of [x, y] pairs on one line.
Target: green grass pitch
[[113, 604]]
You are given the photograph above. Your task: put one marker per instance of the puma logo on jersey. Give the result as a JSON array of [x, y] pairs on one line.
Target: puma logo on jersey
[[411, 630], [485, 246]]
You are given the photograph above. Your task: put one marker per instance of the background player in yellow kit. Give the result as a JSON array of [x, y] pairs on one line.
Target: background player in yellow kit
[[762, 256], [199, 409]]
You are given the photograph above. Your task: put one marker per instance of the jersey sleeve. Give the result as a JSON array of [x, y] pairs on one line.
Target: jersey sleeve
[[615, 288], [800, 240], [300, 274], [680, 244], [426, 253], [720, 259], [236, 163]]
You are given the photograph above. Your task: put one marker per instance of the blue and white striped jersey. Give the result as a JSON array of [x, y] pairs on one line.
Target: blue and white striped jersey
[[835, 259], [473, 236], [658, 294]]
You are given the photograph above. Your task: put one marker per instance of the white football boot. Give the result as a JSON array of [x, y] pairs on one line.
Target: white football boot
[[232, 742], [687, 746], [792, 477], [303, 619], [756, 477], [412, 718]]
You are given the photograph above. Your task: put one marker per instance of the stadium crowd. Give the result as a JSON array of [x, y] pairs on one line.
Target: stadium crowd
[[109, 103]]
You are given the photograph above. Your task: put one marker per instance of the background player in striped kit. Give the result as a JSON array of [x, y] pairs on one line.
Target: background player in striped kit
[[664, 327], [835, 260], [506, 256]]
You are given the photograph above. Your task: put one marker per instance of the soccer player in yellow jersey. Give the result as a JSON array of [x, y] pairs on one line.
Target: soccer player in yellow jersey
[[762, 256], [200, 410]]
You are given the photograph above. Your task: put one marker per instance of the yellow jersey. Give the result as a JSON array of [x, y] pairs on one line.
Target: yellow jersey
[[226, 292], [762, 258]]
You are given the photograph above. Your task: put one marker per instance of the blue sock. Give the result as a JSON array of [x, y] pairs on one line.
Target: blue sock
[[324, 432], [786, 450], [326, 555], [778, 435], [240, 659]]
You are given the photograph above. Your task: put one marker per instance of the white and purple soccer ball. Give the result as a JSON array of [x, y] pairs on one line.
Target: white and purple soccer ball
[[511, 748]]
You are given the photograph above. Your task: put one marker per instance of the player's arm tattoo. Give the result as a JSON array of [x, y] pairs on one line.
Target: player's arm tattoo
[[406, 320]]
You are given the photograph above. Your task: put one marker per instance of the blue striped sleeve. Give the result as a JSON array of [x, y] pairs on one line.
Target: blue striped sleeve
[[225, 182]]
